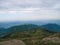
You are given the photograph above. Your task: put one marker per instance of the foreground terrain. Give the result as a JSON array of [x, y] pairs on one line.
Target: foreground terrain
[[12, 42], [34, 37], [31, 36]]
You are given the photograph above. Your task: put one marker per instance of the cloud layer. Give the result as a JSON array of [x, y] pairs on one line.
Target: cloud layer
[[29, 10]]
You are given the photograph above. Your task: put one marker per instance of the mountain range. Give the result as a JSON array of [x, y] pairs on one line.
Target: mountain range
[[50, 27], [14, 23], [31, 34]]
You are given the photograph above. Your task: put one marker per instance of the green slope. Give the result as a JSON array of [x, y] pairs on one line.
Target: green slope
[[33, 35], [30, 37]]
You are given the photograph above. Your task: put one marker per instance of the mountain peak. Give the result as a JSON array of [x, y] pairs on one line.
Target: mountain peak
[[52, 27]]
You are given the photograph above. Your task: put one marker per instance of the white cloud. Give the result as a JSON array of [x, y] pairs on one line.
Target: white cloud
[[29, 10], [30, 14], [18, 4]]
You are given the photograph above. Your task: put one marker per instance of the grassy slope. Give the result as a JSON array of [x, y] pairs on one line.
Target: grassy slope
[[30, 37]]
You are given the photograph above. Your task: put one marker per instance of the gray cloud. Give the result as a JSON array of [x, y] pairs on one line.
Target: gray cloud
[[29, 10], [18, 4]]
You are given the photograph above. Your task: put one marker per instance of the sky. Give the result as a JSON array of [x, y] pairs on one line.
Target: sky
[[25, 10]]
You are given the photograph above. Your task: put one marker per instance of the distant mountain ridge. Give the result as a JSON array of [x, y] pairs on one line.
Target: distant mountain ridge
[[31, 34], [12, 29], [23, 27], [14, 23], [50, 27]]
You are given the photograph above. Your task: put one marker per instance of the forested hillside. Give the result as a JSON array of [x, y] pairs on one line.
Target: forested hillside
[[33, 35]]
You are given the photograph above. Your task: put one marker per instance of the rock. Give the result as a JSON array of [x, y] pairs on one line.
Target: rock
[[12, 42], [51, 39]]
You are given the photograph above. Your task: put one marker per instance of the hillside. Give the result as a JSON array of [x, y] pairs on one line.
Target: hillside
[[33, 35], [49, 27], [30, 37], [23, 27], [7, 31], [52, 27]]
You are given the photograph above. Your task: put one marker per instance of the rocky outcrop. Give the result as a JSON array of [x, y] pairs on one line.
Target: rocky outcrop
[[12, 42], [52, 39]]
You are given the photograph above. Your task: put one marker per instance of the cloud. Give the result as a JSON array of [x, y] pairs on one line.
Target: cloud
[[29, 10], [30, 14], [18, 4]]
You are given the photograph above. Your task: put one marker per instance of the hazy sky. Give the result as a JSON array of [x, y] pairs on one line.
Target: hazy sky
[[23, 10]]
